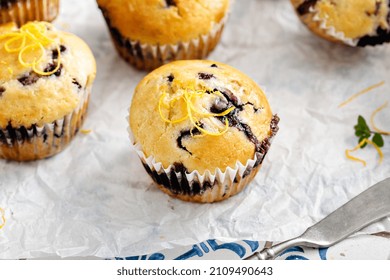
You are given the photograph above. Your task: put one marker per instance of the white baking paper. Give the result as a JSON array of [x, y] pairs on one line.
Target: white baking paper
[[95, 199]]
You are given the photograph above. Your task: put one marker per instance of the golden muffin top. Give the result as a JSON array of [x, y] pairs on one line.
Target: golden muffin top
[[200, 114], [163, 21], [43, 73], [355, 19]]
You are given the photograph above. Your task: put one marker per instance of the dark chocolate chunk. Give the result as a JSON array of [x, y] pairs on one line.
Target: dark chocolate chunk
[[2, 89], [62, 48], [51, 67], [54, 54], [214, 65], [304, 8], [29, 79], [170, 3], [170, 78], [74, 81], [205, 76]]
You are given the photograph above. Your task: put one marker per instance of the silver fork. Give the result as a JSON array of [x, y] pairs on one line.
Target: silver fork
[[369, 206]]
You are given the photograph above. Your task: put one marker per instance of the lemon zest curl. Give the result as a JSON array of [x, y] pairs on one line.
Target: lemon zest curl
[[372, 120], [356, 95], [361, 143], [192, 113], [31, 39], [3, 220]]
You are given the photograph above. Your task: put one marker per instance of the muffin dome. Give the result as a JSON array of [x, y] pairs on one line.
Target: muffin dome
[[201, 116], [148, 34], [355, 23], [49, 89], [45, 81], [164, 21]]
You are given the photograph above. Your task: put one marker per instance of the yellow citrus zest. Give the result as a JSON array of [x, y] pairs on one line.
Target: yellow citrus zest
[[188, 96], [361, 143], [30, 41], [356, 95], [372, 120], [2, 222], [86, 131]]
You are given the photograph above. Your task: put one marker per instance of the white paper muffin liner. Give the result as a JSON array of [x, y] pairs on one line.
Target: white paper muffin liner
[[151, 56], [22, 11], [37, 142], [209, 186]]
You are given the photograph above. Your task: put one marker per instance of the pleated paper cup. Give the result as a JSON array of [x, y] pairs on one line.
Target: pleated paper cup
[[38, 142], [329, 32], [209, 186], [149, 57], [321, 27], [22, 11]]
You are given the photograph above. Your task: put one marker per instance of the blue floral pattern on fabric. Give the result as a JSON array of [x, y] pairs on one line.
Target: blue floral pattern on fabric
[[242, 249]]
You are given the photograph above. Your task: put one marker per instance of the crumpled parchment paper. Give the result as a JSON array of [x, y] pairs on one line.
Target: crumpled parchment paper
[[95, 199]]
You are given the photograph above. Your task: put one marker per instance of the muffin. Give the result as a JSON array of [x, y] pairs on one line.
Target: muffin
[[352, 22], [148, 34], [22, 11], [201, 129], [45, 82]]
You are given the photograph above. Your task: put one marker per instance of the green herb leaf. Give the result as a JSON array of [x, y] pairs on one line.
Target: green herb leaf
[[378, 140], [362, 131], [362, 123]]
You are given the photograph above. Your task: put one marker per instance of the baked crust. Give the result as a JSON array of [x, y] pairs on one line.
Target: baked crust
[[164, 22], [358, 22], [249, 124], [28, 98]]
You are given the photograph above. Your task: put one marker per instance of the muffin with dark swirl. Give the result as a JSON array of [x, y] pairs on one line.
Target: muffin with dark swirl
[[352, 22], [148, 34], [201, 129]]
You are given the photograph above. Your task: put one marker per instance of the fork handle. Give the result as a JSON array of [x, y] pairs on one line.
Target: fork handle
[[275, 250]]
